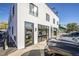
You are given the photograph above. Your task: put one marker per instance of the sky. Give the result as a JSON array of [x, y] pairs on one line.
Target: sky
[[4, 12], [68, 13]]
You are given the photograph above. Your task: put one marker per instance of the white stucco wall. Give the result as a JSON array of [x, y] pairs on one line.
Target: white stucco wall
[[23, 15]]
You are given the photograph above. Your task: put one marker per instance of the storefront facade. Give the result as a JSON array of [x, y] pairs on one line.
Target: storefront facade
[[33, 23]]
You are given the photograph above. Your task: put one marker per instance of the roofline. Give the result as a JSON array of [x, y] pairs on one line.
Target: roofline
[[51, 10]]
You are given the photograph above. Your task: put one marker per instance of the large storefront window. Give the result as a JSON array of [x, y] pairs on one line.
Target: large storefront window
[[53, 32], [29, 33], [43, 32]]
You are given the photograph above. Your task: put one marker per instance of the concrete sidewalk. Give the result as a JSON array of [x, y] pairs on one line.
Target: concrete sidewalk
[[34, 49], [6, 51]]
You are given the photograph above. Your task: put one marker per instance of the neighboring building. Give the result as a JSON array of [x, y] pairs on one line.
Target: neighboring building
[[31, 23], [3, 26]]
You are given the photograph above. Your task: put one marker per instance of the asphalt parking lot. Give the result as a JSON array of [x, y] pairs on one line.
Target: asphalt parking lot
[[34, 53]]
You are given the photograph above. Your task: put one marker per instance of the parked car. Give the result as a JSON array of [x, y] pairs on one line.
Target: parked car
[[65, 46], [1, 38], [0, 35], [74, 37]]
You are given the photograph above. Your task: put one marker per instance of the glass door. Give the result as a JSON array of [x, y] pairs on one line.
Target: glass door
[[43, 33], [29, 33]]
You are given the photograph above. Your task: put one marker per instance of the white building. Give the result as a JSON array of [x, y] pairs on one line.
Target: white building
[[31, 23]]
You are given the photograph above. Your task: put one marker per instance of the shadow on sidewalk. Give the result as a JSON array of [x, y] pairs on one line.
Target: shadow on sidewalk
[[37, 52]]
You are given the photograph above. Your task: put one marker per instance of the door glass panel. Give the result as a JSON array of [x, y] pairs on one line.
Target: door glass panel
[[29, 33], [42, 33], [55, 31]]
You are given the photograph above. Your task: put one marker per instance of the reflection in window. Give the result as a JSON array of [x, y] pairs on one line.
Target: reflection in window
[[55, 31], [33, 9], [29, 33], [53, 20], [57, 23], [42, 33], [47, 17]]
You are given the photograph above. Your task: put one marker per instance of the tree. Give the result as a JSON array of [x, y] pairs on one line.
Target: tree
[[72, 27]]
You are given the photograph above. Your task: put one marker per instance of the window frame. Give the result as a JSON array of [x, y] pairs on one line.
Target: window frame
[[57, 23], [47, 17], [53, 20], [32, 12]]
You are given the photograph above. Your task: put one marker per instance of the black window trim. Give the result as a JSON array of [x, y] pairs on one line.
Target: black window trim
[[30, 9], [53, 20], [47, 15]]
